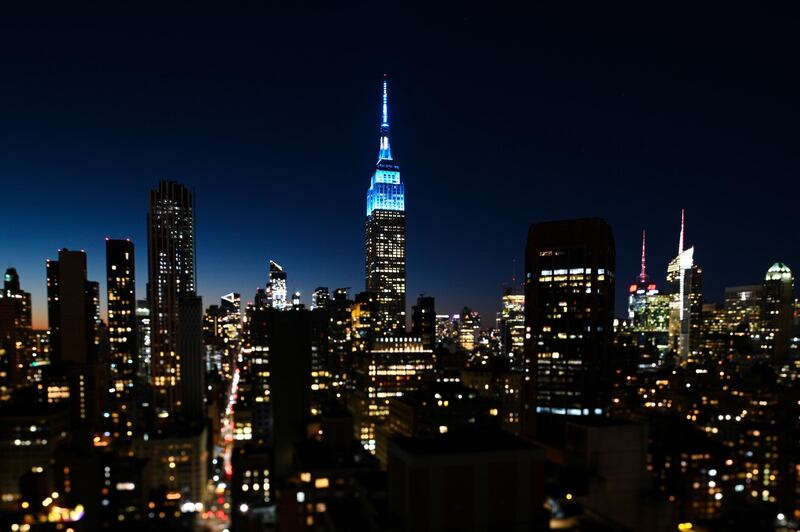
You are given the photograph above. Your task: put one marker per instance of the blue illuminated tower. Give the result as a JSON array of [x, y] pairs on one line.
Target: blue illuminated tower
[[385, 235]]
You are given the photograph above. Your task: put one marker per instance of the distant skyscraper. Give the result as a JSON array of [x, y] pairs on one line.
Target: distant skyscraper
[[320, 298], [22, 299], [512, 325], [16, 336], [778, 311], [468, 328], [423, 321], [120, 279], [143, 339], [276, 287], [171, 265], [385, 234], [685, 283], [569, 317]]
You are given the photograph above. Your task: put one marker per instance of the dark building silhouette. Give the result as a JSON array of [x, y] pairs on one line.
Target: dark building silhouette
[[423, 321], [73, 311], [569, 315], [171, 270], [190, 345]]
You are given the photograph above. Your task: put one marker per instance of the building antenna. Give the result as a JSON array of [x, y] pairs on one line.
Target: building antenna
[[643, 273], [680, 241]]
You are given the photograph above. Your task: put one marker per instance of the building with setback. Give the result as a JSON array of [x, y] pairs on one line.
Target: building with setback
[[569, 315], [385, 233], [685, 285]]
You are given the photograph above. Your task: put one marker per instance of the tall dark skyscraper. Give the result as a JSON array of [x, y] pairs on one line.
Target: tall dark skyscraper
[[72, 312], [385, 238], [778, 298], [70, 309], [171, 269], [120, 278], [569, 317]]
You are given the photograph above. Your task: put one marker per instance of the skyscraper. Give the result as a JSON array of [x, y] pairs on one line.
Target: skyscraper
[[276, 286], [569, 316], [16, 336], [120, 278], [512, 325], [423, 321], [685, 284], [171, 269], [320, 298], [385, 234], [778, 312], [72, 312]]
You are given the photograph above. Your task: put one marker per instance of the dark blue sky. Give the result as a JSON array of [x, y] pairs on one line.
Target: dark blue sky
[[500, 118]]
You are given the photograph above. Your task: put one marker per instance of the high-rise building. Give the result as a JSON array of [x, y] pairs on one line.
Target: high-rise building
[[16, 335], [569, 317], [648, 312], [143, 339], [512, 326], [468, 328], [778, 312], [447, 329], [743, 317], [120, 279], [72, 312], [320, 298], [171, 268], [638, 290], [392, 367], [276, 287], [685, 283], [22, 299], [423, 321], [385, 234]]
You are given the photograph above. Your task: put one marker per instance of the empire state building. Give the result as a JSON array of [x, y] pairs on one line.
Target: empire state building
[[385, 235]]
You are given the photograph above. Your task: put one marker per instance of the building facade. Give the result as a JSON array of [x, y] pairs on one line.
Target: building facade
[[569, 315], [171, 269], [385, 233]]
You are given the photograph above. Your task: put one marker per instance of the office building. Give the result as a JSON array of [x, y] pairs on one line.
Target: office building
[[320, 298], [685, 285], [74, 373], [569, 316], [392, 367], [385, 233], [469, 325], [423, 320], [778, 313], [512, 326], [171, 269], [121, 291], [276, 292]]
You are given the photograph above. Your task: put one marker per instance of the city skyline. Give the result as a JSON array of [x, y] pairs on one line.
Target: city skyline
[[263, 308], [253, 147]]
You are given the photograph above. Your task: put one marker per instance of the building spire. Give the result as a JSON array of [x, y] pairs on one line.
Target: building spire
[[385, 152], [643, 272], [680, 240]]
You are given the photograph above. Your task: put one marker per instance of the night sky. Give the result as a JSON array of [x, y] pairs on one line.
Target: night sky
[[499, 119]]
